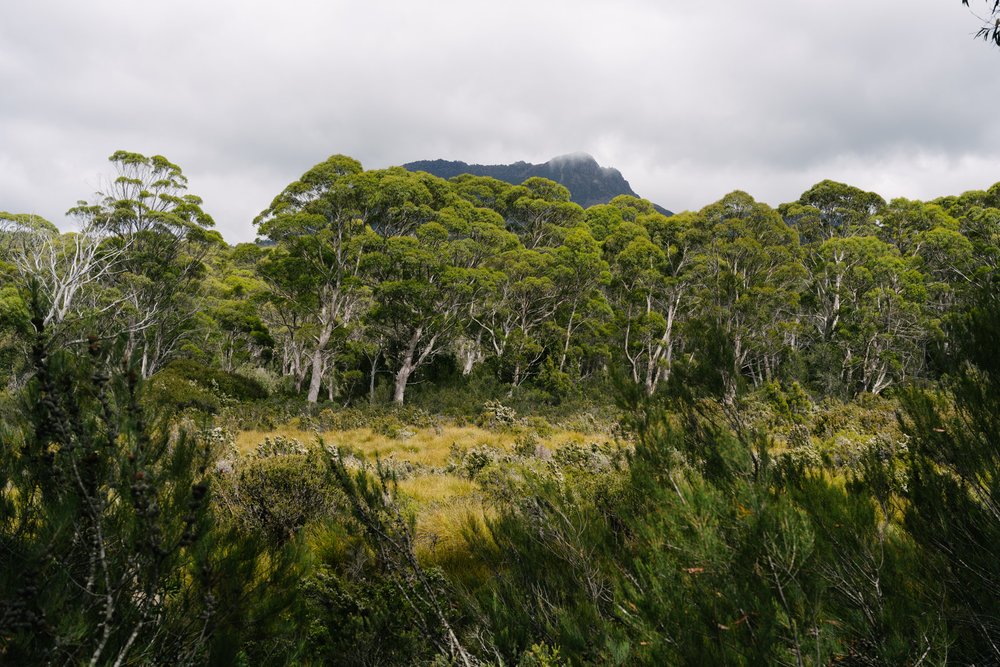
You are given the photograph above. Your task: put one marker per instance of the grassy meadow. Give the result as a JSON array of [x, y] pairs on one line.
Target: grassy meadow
[[444, 494]]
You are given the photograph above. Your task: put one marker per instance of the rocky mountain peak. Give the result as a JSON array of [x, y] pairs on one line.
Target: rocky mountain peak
[[588, 182]]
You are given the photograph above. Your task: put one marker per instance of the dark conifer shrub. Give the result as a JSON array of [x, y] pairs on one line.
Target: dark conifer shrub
[[110, 549], [953, 484]]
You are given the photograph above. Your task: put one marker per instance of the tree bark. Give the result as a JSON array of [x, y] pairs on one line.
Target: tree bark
[[371, 380], [406, 368], [402, 377], [316, 379], [317, 362]]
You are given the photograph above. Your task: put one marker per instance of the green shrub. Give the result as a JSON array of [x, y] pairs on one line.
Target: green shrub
[[174, 393], [231, 385], [540, 425], [592, 458], [496, 415], [541, 655], [478, 458], [277, 492], [186, 385], [388, 425], [280, 445], [526, 445], [113, 549], [557, 383], [360, 619]]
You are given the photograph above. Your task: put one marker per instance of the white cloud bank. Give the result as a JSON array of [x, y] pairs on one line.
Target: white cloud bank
[[688, 100]]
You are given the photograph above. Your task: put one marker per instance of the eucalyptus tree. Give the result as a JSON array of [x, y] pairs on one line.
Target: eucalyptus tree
[[752, 277], [978, 216], [288, 311], [163, 234], [875, 298], [602, 220], [63, 274], [233, 333], [829, 209], [632, 207], [523, 296], [538, 209], [420, 299], [314, 272], [482, 191], [891, 330], [928, 235], [20, 235], [476, 234], [866, 302], [395, 202], [17, 229], [654, 261], [55, 268], [831, 264], [324, 225], [582, 273]]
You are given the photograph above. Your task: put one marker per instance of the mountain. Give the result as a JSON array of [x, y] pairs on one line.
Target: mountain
[[588, 182]]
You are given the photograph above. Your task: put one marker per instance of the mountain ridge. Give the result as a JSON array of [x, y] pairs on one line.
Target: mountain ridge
[[588, 182]]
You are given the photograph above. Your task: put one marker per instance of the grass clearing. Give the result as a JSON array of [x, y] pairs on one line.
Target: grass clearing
[[422, 446], [444, 502]]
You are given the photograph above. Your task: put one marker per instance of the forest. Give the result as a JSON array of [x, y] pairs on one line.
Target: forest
[[464, 422]]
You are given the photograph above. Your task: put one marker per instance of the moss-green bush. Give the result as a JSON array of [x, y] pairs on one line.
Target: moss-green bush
[[186, 385], [231, 385], [172, 392], [277, 491]]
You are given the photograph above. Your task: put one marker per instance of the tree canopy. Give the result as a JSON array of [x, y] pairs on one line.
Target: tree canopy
[[736, 435]]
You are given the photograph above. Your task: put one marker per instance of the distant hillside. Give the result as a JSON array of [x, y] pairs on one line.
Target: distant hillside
[[588, 182]]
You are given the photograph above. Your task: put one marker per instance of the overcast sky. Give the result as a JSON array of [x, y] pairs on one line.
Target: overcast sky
[[690, 100]]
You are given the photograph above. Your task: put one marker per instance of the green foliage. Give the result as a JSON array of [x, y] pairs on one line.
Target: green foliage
[[360, 620], [374, 506], [764, 504], [547, 583], [110, 547], [540, 655], [707, 549], [277, 492], [557, 383], [791, 404], [496, 415], [953, 484], [185, 384]]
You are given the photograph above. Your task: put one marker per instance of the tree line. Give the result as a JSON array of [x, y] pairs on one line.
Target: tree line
[[129, 534], [363, 277]]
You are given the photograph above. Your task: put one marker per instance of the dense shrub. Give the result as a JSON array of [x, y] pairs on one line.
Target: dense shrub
[[360, 618], [187, 385], [276, 492], [111, 549], [175, 393], [230, 385]]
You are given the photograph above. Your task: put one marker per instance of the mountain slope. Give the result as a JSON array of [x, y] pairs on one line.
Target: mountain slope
[[588, 182]]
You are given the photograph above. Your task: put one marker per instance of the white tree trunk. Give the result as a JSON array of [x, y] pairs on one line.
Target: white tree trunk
[[316, 380], [406, 368]]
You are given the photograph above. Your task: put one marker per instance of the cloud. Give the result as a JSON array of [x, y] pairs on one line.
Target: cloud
[[688, 100]]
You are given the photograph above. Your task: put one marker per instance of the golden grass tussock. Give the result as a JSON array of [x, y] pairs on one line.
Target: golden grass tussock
[[247, 441], [445, 504], [422, 446]]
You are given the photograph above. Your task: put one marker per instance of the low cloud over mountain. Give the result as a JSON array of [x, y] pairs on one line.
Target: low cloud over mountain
[[588, 182]]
